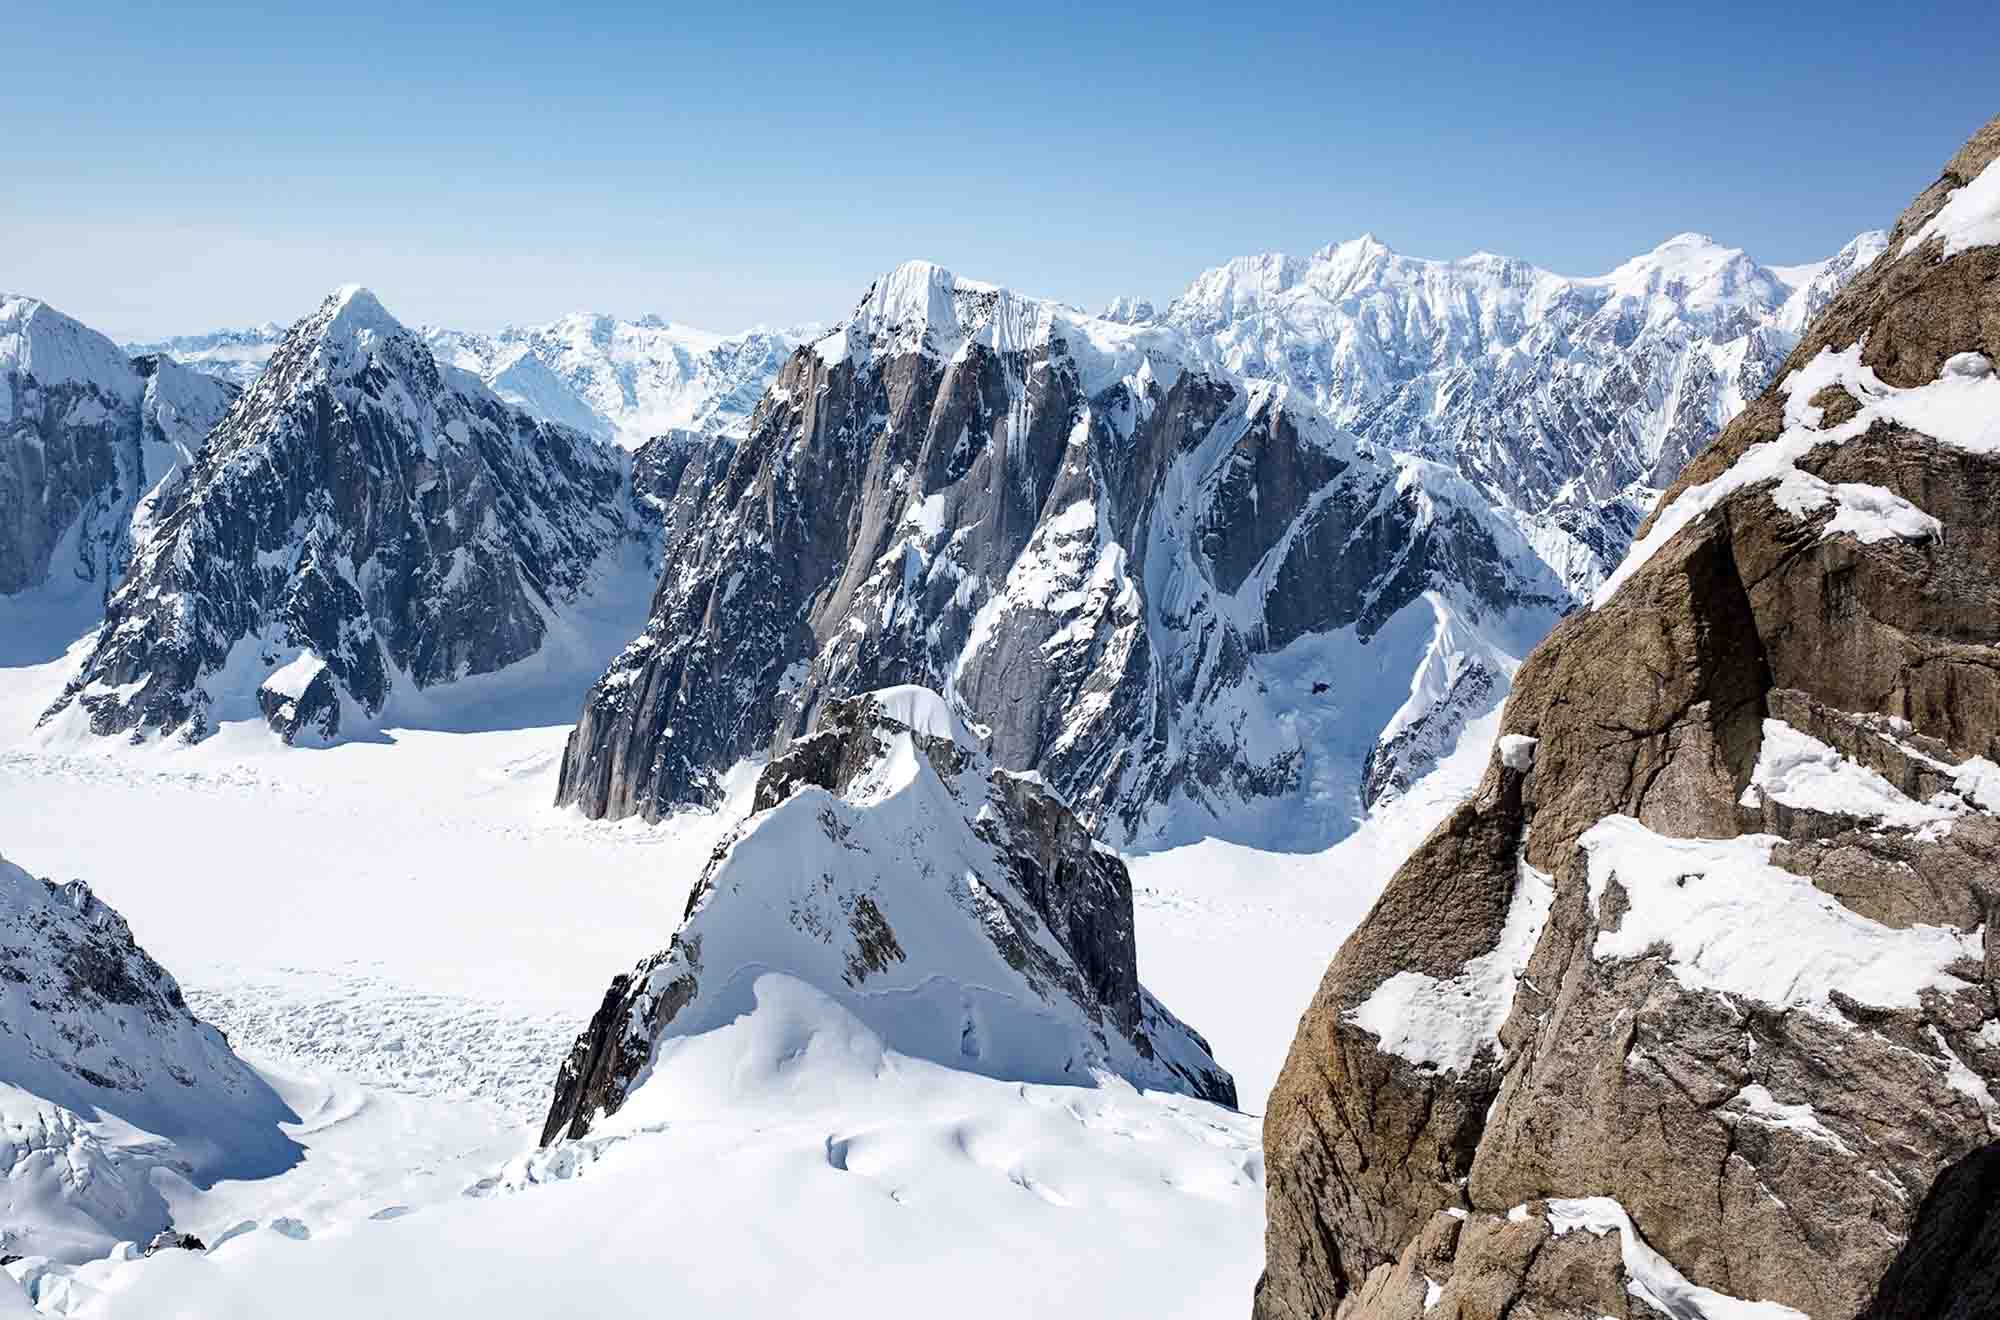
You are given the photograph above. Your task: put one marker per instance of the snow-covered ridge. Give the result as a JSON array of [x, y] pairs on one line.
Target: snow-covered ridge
[[39, 341], [87, 438], [921, 307]]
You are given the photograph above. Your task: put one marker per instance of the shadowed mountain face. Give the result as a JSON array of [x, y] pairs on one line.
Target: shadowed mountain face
[[362, 521], [1693, 1006]]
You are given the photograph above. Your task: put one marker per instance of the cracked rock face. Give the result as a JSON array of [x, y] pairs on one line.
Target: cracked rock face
[[959, 911], [1151, 584], [1695, 1000], [361, 519], [87, 438]]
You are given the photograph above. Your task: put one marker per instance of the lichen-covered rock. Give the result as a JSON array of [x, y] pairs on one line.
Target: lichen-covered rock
[[1750, 1025], [960, 911]]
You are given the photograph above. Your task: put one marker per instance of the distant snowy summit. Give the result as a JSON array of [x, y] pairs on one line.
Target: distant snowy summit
[[1569, 401], [961, 914], [618, 380]]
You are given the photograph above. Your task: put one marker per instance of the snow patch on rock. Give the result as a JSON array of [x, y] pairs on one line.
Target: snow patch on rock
[[1730, 922], [1446, 1024], [1651, 1277]]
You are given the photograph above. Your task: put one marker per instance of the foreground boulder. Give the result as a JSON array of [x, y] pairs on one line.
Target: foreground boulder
[[959, 911], [1691, 1010], [106, 1077]]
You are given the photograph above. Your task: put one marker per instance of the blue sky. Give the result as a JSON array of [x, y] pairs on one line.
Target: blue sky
[[178, 168]]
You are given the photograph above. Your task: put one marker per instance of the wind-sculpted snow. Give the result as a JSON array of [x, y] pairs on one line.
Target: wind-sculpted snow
[[961, 912], [363, 520], [87, 438], [1188, 602], [105, 1078]]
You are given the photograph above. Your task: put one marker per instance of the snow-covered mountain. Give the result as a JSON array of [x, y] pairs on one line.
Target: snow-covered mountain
[[363, 522], [1187, 600], [107, 1082], [1569, 401], [625, 381], [960, 912], [87, 436]]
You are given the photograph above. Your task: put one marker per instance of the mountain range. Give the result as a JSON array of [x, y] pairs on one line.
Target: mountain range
[[1245, 567]]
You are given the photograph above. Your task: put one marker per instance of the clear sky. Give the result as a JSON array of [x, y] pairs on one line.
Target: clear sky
[[168, 168]]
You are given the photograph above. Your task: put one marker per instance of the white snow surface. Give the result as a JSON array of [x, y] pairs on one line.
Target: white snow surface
[[1730, 922], [1517, 751], [404, 937], [1651, 1277]]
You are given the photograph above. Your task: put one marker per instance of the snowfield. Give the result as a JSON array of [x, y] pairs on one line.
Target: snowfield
[[403, 937]]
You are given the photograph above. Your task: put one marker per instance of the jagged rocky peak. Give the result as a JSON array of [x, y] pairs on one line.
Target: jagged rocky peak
[[960, 912], [87, 435], [1154, 586], [109, 1079], [1691, 1009], [362, 522]]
